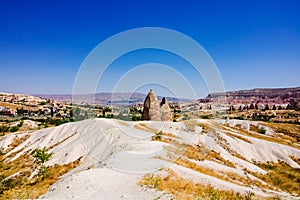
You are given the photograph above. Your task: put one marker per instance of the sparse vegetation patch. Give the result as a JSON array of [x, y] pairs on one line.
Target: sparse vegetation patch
[[184, 189]]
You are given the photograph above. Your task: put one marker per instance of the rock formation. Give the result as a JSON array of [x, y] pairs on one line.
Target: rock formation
[[151, 109], [154, 111], [166, 114]]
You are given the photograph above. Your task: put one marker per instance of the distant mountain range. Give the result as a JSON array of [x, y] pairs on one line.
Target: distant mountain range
[[276, 95], [106, 98]]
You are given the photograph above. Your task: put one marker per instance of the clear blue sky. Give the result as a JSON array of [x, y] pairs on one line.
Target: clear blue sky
[[43, 43]]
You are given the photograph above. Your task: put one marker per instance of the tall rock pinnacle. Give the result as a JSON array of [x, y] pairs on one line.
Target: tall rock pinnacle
[[165, 110], [151, 108], [154, 111]]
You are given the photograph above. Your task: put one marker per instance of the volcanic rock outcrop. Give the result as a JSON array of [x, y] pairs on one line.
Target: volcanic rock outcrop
[[154, 111], [165, 111]]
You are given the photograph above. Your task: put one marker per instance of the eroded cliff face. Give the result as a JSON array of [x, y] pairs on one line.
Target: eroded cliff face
[[154, 111]]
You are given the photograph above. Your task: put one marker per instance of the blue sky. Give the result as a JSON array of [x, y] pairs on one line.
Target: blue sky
[[43, 43]]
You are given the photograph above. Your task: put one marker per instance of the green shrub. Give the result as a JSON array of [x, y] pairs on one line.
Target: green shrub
[[262, 130], [158, 135], [14, 128], [4, 129], [41, 155], [43, 172]]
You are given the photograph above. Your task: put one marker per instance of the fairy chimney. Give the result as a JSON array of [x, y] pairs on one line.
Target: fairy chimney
[[154, 111], [165, 110], [151, 109]]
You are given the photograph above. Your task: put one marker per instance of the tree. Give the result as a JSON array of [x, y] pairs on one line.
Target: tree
[[77, 111], [51, 111], [14, 128], [40, 157], [294, 104], [20, 111], [267, 107]]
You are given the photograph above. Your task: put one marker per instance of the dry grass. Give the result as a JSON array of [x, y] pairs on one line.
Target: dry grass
[[290, 130], [123, 123], [282, 176], [297, 160], [178, 156], [284, 132], [58, 143], [226, 176], [184, 189], [19, 106], [262, 137], [215, 156], [254, 128], [193, 152], [237, 136], [190, 125], [14, 185], [144, 127], [223, 143], [204, 154], [18, 140]]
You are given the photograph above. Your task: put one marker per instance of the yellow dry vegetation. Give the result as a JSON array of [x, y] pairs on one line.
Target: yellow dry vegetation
[[184, 189], [289, 130], [14, 106], [261, 136], [16, 184], [18, 140], [190, 125], [282, 176], [237, 136], [226, 176], [144, 127], [123, 123], [65, 139], [14, 174]]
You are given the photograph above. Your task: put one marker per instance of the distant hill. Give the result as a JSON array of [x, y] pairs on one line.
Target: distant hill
[[107, 98], [264, 93], [288, 98]]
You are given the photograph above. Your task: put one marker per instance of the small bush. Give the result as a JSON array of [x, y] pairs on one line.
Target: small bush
[[158, 135], [14, 128], [1, 151], [4, 129], [262, 130], [41, 155], [43, 172]]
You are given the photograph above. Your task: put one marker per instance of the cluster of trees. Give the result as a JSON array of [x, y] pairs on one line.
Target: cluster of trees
[[4, 128], [54, 121]]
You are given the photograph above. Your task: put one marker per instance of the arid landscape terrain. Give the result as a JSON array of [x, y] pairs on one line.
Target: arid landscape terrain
[[199, 155], [150, 100]]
